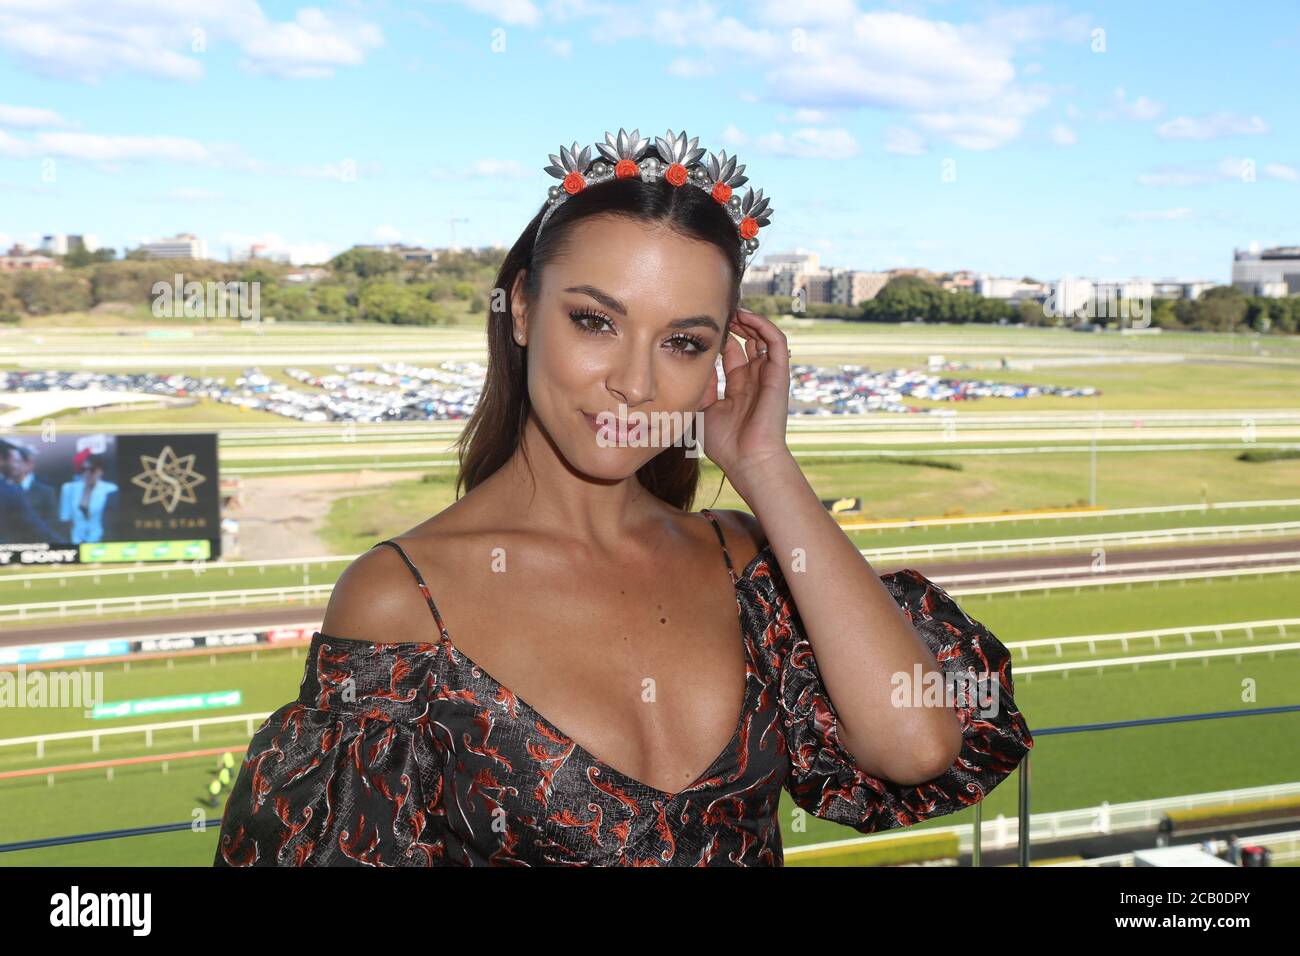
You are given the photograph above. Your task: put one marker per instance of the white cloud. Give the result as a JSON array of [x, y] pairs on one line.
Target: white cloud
[[904, 142], [1211, 126], [988, 128], [1231, 168], [804, 13], [891, 60], [310, 46], [30, 117], [387, 234], [1142, 108], [106, 150], [344, 171], [1174, 176], [97, 148], [811, 143], [1228, 169], [515, 12], [957, 80], [733, 136], [1062, 135], [89, 40]]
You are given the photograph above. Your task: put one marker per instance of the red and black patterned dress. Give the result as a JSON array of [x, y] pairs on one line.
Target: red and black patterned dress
[[410, 754]]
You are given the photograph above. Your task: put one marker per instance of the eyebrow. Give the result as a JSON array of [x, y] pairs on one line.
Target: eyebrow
[[614, 305]]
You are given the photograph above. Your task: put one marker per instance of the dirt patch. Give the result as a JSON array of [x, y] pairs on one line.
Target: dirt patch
[[282, 514]]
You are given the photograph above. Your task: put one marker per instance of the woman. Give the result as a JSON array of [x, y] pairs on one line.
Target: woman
[[567, 666], [84, 501]]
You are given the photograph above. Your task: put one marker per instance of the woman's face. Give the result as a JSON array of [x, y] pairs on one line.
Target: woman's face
[[628, 315]]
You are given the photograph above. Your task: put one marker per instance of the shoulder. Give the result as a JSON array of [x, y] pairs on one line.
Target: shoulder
[[745, 537], [377, 599]]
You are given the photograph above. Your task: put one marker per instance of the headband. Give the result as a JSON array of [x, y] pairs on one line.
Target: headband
[[674, 158]]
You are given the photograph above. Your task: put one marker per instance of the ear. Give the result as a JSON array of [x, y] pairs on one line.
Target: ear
[[518, 305]]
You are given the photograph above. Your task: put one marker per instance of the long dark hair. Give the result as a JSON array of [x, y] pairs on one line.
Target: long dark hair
[[496, 427]]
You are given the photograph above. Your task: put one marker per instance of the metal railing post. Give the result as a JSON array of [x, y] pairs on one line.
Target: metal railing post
[[1023, 811]]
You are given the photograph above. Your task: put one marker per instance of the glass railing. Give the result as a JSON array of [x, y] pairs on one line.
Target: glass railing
[[172, 843]]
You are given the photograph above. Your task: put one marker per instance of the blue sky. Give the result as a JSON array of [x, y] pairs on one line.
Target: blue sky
[[1106, 139]]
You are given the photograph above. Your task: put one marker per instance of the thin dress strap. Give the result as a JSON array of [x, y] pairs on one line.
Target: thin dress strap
[[424, 588], [721, 540]]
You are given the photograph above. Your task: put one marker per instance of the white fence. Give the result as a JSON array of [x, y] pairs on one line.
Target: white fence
[[294, 594], [193, 726], [1202, 507], [1082, 542], [1003, 832]]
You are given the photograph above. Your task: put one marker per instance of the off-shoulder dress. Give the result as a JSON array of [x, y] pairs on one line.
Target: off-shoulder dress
[[410, 754]]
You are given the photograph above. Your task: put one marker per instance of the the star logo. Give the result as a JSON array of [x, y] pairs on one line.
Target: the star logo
[[168, 479]]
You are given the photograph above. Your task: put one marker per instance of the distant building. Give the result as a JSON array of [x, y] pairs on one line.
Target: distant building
[[788, 274], [182, 246], [914, 272], [1189, 289], [308, 274], [260, 251], [27, 263], [1010, 290], [1068, 297], [959, 282], [1121, 289], [58, 244], [853, 287], [1272, 272], [404, 252], [757, 280]]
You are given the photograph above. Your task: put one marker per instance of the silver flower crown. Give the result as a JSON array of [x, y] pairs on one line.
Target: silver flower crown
[[674, 158]]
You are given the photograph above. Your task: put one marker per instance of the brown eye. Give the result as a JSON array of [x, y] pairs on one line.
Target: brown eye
[[688, 345], [581, 317]]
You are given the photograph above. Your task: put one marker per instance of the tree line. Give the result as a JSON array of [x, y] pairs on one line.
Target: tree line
[[367, 285], [360, 285], [912, 299]]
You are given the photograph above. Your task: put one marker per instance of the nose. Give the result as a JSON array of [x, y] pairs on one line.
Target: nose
[[632, 377]]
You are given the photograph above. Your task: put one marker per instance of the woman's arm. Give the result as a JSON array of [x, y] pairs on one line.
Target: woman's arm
[[865, 645], [868, 650]]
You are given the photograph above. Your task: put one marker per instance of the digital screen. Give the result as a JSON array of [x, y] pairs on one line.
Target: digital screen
[[100, 497]]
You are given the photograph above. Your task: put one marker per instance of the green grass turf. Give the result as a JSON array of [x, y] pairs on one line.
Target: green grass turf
[[988, 484], [357, 521], [1069, 770]]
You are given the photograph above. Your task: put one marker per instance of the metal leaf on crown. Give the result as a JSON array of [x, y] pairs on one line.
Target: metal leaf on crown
[[674, 158]]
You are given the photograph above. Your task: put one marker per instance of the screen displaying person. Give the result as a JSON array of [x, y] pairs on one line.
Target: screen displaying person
[[82, 500], [42, 496], [19, 524]]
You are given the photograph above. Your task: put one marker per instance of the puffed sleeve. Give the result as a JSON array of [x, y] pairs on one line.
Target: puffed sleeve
[[827, 781], [325, 788]]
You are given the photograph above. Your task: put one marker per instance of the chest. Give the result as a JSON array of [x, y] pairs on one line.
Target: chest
[[648, 676]]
